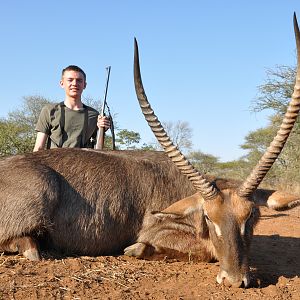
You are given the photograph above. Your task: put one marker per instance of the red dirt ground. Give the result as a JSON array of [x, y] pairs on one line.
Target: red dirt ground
[[275, 262]]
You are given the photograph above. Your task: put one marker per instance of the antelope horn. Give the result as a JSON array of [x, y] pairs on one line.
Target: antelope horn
[[272, 152], [207, 190]]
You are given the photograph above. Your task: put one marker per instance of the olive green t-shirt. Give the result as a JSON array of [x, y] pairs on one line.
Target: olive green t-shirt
[[66, 127]]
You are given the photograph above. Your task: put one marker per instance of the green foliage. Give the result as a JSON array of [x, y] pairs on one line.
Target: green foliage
[[29, 111], [15, 138], [148, 147], [17, 134], [259, 140], [128, 139], [274, 95], [276, 92], [205, 163], [236, 169]]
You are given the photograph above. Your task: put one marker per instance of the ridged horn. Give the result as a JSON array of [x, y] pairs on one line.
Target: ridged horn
[[265, 163], [207, 190]]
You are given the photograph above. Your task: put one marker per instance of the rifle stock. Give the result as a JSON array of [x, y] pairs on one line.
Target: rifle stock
[[100, 139]]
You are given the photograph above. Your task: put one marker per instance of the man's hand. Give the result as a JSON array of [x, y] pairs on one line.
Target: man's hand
[[103, 122]]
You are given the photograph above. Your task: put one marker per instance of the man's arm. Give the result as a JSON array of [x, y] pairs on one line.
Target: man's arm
[[40, 141]]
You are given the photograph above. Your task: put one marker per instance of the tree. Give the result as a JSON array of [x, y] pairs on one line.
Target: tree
[[128, 139], [29, 111], [180, 133], [276, 91], [17, 134], [15, 138], [148, 147], [275, 95], [205, 163], [236, 169]]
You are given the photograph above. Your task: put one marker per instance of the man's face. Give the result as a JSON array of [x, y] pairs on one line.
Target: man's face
[[73, 83]]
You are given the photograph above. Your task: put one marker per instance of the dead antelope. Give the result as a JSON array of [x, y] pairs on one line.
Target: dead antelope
[[214, 223], [88, 202]]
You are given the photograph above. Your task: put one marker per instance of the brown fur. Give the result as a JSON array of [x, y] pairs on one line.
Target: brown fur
[[83, 200], [87, 202]]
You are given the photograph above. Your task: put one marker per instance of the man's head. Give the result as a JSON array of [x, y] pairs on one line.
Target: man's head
[[73, 68], [73, 81]]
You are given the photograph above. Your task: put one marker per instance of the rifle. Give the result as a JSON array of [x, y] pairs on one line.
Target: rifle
[[101, 131]]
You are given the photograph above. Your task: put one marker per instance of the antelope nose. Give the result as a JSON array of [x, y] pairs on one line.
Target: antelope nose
[[235, 284], [242, 282]]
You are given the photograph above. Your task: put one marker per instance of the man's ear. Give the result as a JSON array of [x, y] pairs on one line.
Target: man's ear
[[61, 83], [85, 84]]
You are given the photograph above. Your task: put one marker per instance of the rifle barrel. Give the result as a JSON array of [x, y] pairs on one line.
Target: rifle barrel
[[101, 131], [106, 88]]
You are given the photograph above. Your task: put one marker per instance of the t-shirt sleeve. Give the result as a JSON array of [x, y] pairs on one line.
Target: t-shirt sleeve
[[44, 122]]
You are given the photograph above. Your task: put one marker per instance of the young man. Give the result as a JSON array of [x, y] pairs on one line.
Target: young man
[[70, 123]]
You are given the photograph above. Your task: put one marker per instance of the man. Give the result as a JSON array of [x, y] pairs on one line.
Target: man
[[70, 123]]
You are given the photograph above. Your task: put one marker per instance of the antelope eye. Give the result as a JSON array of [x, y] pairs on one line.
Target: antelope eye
[[250, 214], [207, 218]]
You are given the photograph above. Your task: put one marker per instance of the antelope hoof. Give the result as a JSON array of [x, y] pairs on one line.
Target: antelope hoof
[[139, 250], [135, 250], [25, 245], [32, 254]]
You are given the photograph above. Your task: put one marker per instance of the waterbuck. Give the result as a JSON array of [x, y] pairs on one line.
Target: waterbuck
[[214, 223], [89, 202]]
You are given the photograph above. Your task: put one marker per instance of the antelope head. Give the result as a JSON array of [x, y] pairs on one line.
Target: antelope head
[[230, 214]]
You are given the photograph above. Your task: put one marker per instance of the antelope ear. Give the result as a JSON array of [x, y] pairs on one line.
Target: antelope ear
[[277, 200], [166, 215]]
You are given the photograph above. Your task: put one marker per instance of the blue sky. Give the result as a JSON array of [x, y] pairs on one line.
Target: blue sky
[[201, 61]]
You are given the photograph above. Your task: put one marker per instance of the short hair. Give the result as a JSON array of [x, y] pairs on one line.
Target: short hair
[[73, 68]]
